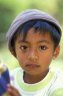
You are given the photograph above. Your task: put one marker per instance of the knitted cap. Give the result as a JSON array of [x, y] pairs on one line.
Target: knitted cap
[[30, 14]]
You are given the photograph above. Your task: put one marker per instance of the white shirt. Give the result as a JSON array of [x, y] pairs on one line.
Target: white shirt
[[51, 85]]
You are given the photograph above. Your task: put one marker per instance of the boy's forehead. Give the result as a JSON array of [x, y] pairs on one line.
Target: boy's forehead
[[34, 36], [33, 32]]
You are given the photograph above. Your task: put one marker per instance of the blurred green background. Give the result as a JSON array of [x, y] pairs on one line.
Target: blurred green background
[[8, 11]]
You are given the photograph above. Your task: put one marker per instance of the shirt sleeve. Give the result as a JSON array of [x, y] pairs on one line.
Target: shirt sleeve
[[57, 87]]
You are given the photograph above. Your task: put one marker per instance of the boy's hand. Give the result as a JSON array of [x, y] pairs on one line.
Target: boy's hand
[[12, 91]]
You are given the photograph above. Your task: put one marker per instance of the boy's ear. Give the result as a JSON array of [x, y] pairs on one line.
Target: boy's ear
[[56, 52]]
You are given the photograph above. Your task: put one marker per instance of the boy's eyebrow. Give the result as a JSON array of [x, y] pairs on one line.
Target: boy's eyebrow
[[44, 41], [21, 41], [41, 41]]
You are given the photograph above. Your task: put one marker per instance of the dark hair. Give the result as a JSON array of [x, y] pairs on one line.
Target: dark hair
[[42, 26]]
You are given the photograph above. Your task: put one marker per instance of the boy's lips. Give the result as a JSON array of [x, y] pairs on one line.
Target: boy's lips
[[32, 65]]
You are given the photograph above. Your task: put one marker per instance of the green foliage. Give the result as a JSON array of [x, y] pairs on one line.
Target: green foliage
[[59, 12], [10, 8]]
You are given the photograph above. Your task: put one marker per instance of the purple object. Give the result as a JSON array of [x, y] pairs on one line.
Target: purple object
[[5, 75], [3, 86], [4, 79]]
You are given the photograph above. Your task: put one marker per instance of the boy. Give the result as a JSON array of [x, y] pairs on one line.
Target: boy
[[33, 38]]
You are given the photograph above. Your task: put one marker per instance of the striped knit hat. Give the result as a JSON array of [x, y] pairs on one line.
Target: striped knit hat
[[30, 14]]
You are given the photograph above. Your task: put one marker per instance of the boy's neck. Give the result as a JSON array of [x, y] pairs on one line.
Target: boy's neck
[[31, 79]]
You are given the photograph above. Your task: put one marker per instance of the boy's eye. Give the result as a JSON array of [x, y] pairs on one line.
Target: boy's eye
[[23, 48], [43, 47]]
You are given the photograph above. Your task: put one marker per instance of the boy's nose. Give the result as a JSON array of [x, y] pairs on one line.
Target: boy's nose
[[33, 56]]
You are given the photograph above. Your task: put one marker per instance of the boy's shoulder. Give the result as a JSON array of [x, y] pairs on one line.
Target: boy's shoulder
[[15, 73], [57, 85], [16, 70], [58, 75]]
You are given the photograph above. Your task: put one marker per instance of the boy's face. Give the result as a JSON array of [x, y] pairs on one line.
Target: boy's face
[[35, 53]]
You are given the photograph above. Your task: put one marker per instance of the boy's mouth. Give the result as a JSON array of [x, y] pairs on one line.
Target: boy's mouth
[[32, 66]]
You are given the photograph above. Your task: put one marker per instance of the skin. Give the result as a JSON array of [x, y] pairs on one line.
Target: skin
[[34, 56]]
